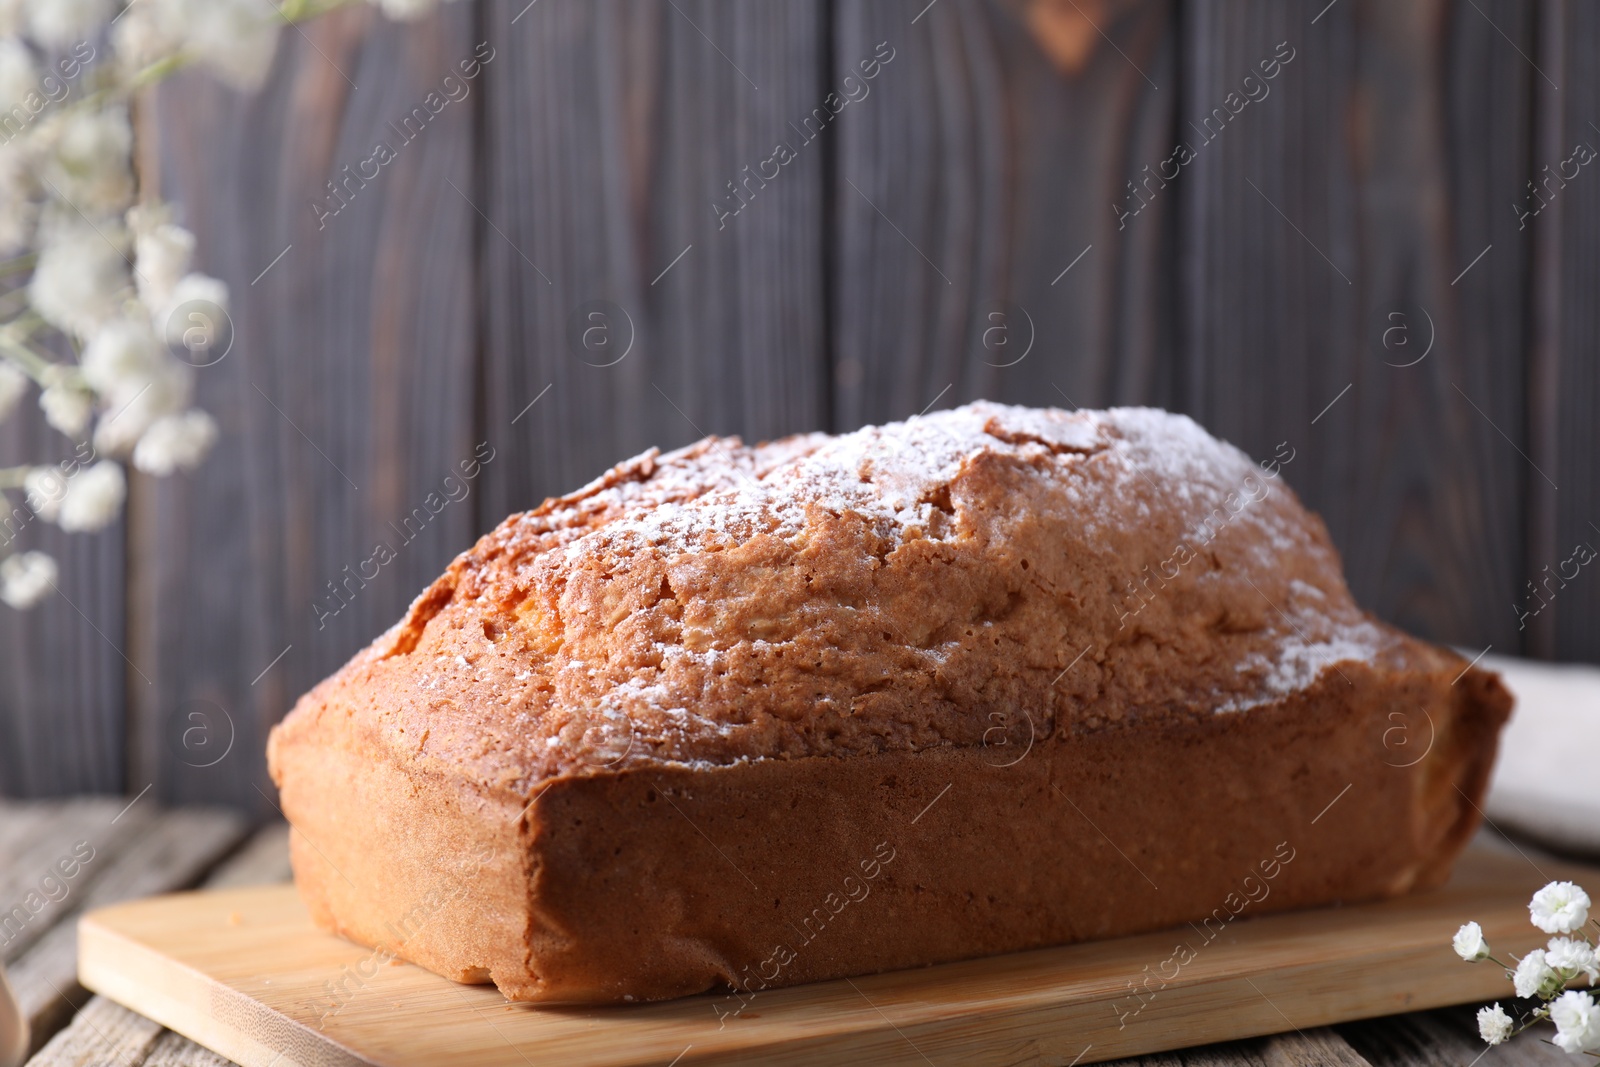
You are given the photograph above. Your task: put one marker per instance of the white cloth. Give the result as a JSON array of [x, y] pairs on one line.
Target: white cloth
[[1546, 784]]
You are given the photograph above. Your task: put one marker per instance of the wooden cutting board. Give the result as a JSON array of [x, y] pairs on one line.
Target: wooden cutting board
[[244, 972]]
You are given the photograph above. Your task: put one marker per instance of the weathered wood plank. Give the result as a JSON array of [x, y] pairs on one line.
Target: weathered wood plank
[[175, 1050], [264, 859], [1568, 374], [1447, 1038], [977, 249], [19, 822], [102, 1033], [346, 400], [61, 720], [1488, 96], [1318, 221], [147, 851], [612, 133], [1232, 1054], [1321, 1047], [1313, 1048], [35, 891]]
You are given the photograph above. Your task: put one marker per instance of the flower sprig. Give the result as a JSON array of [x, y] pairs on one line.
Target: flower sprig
[[1545, 974], [91, 264]]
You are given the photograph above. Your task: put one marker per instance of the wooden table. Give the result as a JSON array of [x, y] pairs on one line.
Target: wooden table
[[140, 849]]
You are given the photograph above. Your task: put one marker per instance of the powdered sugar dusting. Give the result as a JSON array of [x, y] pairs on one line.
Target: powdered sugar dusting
[[884, 474], [887, 588]]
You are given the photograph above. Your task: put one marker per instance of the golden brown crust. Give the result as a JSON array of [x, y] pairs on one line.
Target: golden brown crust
[[839, 596], [790, 643]]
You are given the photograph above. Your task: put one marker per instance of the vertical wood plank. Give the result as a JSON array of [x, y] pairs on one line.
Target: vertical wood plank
[[1568, 438], [346, 401], [1492, 97], [611, 278], [61, 718], [1314, 218], [978, 246]]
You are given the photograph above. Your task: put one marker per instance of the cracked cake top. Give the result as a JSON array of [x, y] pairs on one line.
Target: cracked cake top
[[901, 587]]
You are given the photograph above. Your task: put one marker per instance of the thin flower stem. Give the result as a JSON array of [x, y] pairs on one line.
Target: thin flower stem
[[299, 10], [158, 70], [18, 264], [32, 362], [25, 324]]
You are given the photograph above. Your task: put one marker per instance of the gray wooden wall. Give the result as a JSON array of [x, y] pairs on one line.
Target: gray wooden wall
[[1361, 211]]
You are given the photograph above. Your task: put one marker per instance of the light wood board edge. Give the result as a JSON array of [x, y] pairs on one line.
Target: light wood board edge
[[1201, 1010], [197, 1006], [1202, 1013]]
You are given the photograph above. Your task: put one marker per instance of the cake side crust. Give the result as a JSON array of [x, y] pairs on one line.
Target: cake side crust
[[655, 882], [417, 867]]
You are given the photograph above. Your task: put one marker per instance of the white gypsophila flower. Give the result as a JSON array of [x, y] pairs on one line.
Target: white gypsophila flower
[[405, 10], [66, 408], [130, 409], [175, 441], [45, 488], [196, 313], [19, 76], [122, 357], [13, 384], [57, 24], [1577, 1021], [91, 162], [93, 498], [161, 256], [66, 403], [1559, 908], [1534, 975], [79, 279], [25, 579], [1469, 943], [1494, 1025], [145, 32], [17, 208], [1572, 957], [235, 38], [19, 100], [147, 217]]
